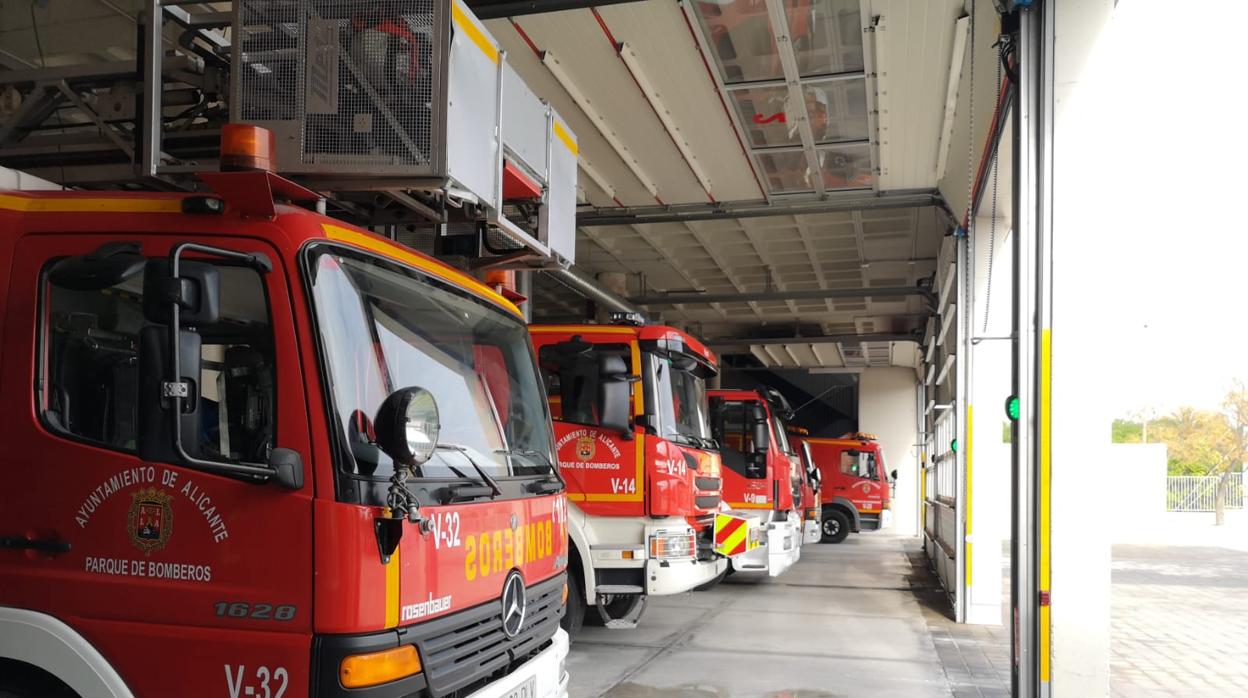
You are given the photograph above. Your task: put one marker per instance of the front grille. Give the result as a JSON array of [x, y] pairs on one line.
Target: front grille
[[707, 483], [710, 501], [468, 648]]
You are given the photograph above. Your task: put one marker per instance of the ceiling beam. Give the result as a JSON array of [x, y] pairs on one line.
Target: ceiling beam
[[814, 294], [805, 205], [495, 9], [718, 343]]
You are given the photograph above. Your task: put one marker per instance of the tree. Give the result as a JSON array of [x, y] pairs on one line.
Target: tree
[[1236, 411], [1126, 431], [1198, 442]]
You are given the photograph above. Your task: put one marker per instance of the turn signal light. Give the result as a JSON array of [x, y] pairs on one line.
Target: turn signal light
[[247, 147], [363, 670], [565, 594]]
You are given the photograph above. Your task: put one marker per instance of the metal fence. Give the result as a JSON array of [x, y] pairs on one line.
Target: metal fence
[[1199, 492]]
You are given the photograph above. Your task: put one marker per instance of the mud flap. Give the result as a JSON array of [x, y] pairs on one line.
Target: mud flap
[[736, 535]]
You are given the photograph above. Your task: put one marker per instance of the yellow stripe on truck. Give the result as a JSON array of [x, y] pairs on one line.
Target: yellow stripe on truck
[[404, 256], [37, 204], [392, 590]]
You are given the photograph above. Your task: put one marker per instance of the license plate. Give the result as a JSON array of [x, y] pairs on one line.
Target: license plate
[[528, 689]]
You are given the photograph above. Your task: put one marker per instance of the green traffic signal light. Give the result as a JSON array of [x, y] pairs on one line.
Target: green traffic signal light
[[1011, 407], [953, 445]]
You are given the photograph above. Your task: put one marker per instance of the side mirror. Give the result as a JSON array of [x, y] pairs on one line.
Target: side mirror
[[196, 292], [287, 468], [893, 475], [407, 426], [613, 395], [159, 428], [761, 434]]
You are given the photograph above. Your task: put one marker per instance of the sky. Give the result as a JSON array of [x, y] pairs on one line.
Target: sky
[[1154, 256]]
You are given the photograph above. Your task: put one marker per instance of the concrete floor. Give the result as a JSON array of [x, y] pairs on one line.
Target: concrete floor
[[863, 618], [1180, 621]]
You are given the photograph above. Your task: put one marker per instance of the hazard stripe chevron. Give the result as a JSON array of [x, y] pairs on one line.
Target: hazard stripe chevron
[[731, 535]]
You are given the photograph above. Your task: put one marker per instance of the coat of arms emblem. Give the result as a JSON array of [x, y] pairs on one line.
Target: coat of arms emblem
[[150, 521], [585, 447]]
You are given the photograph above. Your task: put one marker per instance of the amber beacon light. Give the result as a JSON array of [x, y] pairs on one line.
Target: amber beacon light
[[246, 147]]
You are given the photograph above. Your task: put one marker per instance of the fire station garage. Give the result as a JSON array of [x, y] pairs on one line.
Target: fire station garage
[[621, 348]]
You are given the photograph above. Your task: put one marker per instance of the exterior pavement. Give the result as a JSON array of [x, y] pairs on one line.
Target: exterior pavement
[[1179, 621], [863, 618]]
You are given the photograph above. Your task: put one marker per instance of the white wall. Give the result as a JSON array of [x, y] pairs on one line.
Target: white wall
[[1138, 505], [14, 180], [887, 408], [1082, 352]]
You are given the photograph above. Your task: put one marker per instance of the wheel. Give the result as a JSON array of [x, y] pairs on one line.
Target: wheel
[[835, 526], [574, 614], [714, 582], [32, 685]]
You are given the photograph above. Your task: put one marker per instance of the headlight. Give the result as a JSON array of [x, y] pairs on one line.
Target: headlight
[[673, 546]]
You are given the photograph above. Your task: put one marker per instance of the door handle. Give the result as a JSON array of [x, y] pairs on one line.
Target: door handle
[[52, 546]]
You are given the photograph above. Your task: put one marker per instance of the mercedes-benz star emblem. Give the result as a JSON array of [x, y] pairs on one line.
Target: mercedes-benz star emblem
[[515, 603]]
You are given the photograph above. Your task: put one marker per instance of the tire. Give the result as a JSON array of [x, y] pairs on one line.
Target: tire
[[707, 586], [835, 526], [34, 686], [574, 614]]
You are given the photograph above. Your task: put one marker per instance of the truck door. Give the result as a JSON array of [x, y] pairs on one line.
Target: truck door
[[747, 469], [178, 576], [603, 465]]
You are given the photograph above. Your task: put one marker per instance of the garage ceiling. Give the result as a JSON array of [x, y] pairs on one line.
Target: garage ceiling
[[664, 118], [716, 143]]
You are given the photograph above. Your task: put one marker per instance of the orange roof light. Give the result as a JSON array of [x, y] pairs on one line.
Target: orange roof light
[[247, 147], [374, 668]]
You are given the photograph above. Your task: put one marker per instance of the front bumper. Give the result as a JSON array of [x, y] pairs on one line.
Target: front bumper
[[462, 653], [666, 577], [548, 668], [812, 532], [782, 548]]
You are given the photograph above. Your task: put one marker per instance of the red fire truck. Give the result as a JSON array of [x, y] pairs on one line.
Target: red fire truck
[[856, 494], [254, 451], [762, 474], [633, 440], [812, 486]]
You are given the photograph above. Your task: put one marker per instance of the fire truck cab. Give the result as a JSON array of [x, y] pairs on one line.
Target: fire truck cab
[[812, 487], [857, 490], [255, 451], [762, 474], [633, 440]]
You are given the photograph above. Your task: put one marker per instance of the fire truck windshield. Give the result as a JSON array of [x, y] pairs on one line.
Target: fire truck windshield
[[680, 394], [782, 433], [383, 328]]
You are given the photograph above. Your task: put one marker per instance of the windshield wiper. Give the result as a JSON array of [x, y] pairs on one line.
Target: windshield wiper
[[485, 478], [695, 441], [545, 486]]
